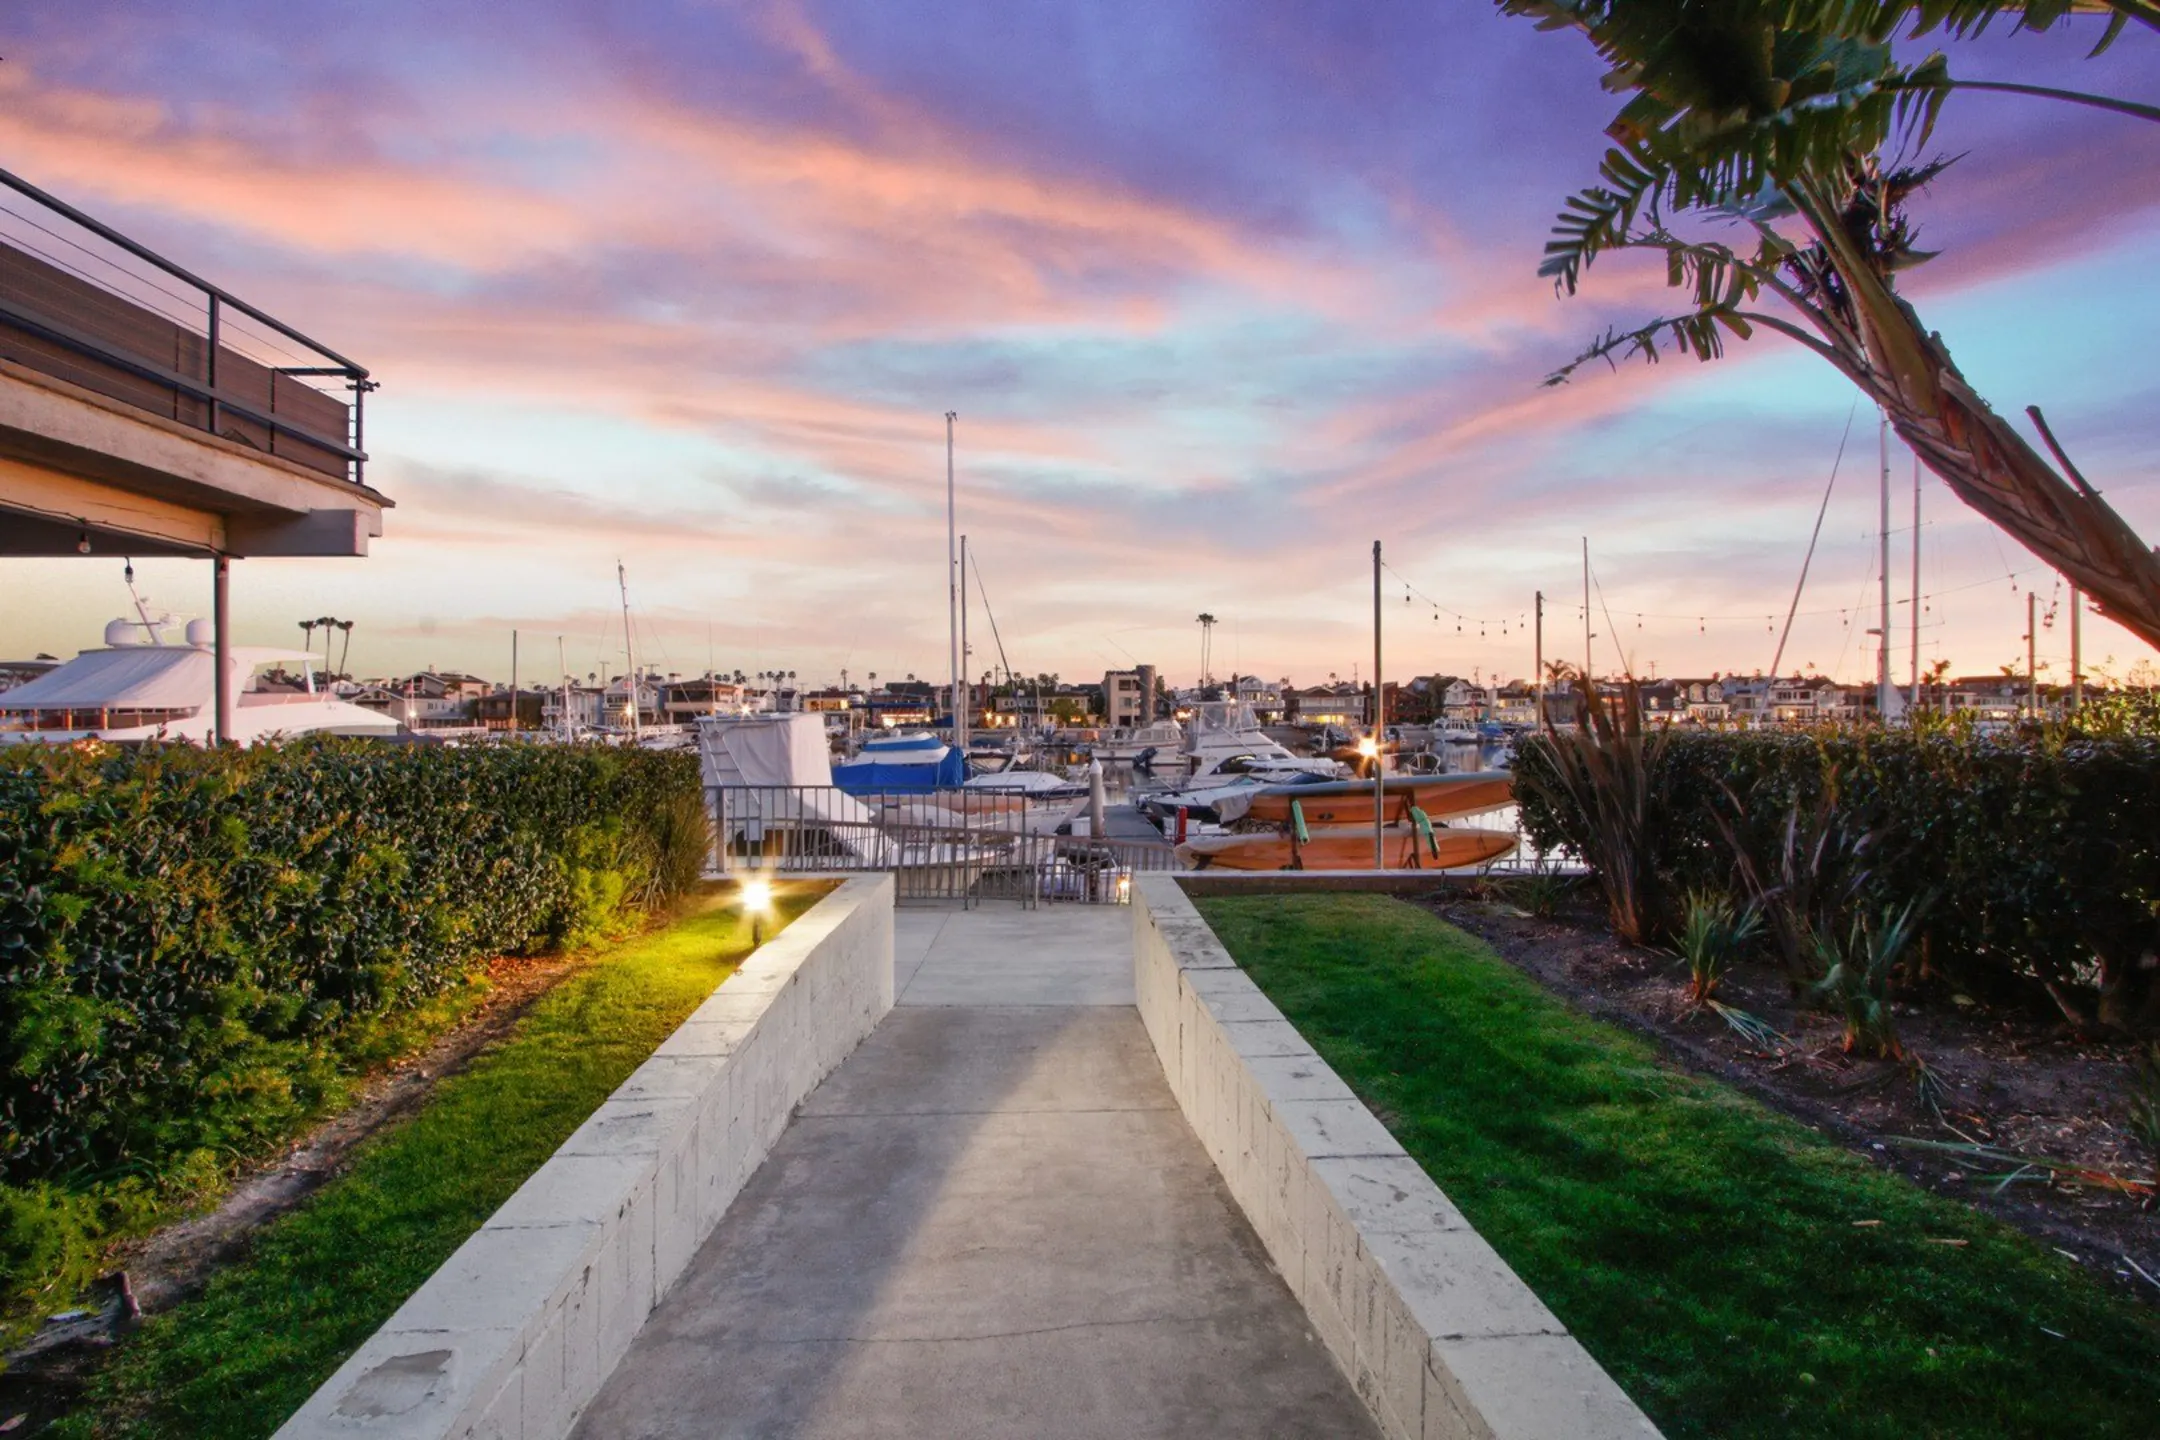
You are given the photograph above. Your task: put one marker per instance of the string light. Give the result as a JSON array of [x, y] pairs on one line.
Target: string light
[[1486, 624]]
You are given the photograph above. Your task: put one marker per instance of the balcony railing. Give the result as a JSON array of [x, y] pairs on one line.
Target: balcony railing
[[83, 303]]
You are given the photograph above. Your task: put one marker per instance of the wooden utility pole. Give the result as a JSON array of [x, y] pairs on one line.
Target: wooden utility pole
[[2077, 648], [1537, 678], [2032, 653]]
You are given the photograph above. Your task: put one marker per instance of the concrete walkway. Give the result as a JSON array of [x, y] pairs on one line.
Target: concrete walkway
[[990, 1221]]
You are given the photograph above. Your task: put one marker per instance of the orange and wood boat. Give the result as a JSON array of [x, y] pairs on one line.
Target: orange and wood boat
[[1346, 847], [1350, 802]]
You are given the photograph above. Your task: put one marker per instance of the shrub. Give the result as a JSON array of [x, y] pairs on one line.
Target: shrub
[[2044, 848], [185, 933]]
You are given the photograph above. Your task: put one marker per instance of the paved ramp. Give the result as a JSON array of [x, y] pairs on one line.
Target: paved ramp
[[991, 1221]]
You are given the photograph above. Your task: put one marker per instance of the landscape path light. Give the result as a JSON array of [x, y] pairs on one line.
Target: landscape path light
[[756, 898]]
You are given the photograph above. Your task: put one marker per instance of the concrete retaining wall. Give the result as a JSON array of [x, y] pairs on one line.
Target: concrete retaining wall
[[1435, 1331], [511, 1338]]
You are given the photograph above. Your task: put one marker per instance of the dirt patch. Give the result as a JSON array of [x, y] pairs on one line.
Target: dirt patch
[[2014, 1083], [43, 1378]]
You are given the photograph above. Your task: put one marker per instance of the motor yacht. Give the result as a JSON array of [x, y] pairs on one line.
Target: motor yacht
[[1226, 739], [137, 687]]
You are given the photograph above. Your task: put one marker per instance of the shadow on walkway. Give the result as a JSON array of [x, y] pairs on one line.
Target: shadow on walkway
[[991, 1221]]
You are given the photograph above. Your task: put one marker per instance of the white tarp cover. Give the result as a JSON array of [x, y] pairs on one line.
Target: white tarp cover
[[780, 750], [163, 677], [764, 750]]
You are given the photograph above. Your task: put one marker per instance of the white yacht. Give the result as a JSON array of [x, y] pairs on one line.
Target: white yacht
[[1128, 741], [1226, 739], [138, 687]]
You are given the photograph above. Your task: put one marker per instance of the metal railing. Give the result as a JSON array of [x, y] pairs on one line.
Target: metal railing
[[940, 846], [87, 304]]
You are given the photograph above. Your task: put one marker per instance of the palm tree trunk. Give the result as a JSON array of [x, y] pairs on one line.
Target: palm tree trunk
[[1908, 371]]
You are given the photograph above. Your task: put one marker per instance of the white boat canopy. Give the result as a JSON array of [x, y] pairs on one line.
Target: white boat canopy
[[136, 677], [144, 677]]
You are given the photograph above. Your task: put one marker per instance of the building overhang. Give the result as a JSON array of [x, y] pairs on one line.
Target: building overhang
[[75, 465]]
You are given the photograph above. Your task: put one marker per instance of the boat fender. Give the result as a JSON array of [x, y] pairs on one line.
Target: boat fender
[[1424, 827]]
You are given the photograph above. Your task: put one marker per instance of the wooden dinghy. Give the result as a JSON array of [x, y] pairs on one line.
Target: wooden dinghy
[[1346, 847], [1350, 802]]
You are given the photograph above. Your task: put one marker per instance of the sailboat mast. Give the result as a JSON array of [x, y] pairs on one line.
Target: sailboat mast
[[622, 581], [1882, 676], [562, 663], [967, 686], [1586, 612], [952, 568]]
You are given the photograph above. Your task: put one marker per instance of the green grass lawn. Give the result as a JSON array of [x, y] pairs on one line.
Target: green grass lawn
[[1705, 1249], [239, 1359]]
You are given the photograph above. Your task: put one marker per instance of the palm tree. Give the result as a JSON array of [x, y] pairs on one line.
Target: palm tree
[[1796, 113]]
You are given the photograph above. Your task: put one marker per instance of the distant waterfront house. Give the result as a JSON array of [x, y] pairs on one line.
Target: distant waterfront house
[[429, 700], [1515, 703], [18, 672], [904, 703], [1705, 700], [1342, 705], [616, 702], [1664, 702], [493, 710], [576, 707], [682, 700], [1265, 699], [1128, 696], [1987, 697], [1807, 700]]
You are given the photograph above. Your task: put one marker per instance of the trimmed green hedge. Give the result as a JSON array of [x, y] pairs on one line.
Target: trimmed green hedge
[[185, 933], [2039, 856]]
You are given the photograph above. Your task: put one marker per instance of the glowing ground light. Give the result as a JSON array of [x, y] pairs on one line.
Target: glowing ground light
[[756, 898]]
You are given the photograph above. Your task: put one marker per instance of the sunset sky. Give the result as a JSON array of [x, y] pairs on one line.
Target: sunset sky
[[1221, 293]]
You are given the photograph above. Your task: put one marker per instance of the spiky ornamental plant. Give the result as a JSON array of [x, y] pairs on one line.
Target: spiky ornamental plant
[[1787, 121], [1600, 776], [1859, 973], [1712, 936]]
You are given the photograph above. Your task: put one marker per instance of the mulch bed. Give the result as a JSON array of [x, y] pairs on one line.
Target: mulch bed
[[2016, 1083]]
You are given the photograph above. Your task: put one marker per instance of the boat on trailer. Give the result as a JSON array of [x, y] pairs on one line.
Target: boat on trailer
[[1404, 846], [1349, 802]]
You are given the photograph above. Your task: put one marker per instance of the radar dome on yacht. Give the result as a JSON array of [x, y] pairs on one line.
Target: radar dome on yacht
[[200, 633], [120, 632]]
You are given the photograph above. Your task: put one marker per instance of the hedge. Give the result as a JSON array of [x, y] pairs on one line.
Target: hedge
[[2037, 857], [185, 933]]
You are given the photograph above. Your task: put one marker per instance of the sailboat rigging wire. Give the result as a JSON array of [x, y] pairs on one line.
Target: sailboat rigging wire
[[975, 564], [1627, 662], [1809, 560]]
